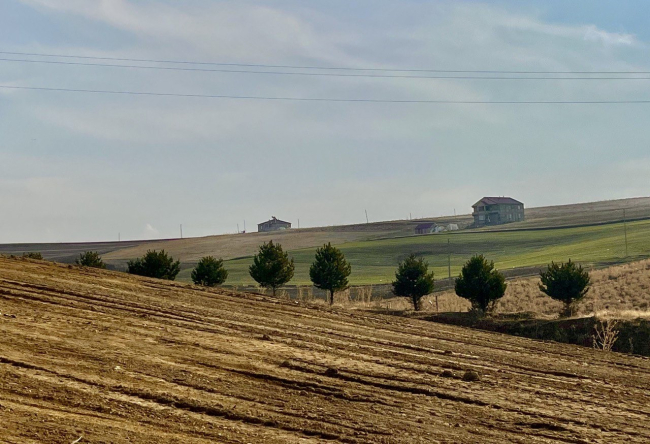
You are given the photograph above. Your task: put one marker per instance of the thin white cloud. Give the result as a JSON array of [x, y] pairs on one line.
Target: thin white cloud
[[211, 159], [592, 33]]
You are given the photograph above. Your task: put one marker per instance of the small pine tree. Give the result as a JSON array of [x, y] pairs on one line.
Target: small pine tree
[[330, 270], [271, 266], [90, 259], [412, 280], [33, 255], [480, 284], [155, 264], [567, 283], [209, 272]]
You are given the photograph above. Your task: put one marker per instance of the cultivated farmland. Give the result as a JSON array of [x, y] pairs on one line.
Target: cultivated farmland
[[232, 246], [96, 356], [374, 262]]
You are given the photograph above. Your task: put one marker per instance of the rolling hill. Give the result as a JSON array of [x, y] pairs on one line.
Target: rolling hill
[[594, 236], [97, 356]]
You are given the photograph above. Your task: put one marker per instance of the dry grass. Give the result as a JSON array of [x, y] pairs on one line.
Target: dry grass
[[621, 292]]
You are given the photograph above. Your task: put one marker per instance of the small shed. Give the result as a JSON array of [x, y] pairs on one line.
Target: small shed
[[426, 228]]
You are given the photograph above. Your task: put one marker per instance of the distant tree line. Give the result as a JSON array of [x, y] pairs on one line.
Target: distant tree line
[[479, 281]]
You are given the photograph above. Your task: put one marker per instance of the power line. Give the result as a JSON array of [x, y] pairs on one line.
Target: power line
[[323, 99], [337, 68], [313, 74]]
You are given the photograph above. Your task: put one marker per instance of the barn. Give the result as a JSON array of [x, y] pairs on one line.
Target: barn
[[274, 224]]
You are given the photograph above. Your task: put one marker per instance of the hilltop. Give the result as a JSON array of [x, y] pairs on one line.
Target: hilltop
[[232, 246], [109, 357]]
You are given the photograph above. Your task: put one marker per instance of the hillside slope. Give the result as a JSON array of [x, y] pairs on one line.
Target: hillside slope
[[231, 246], [189, 251], [107, 357]]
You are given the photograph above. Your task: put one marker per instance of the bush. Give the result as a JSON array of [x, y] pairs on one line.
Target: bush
[[209, 272], [412, 280], [567, 283], [330, 270], [480, 284], [271, 267], [33, 255], [90, 259], [156, 265]]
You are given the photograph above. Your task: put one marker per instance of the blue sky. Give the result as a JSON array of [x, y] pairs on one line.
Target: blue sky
[[78, 167]]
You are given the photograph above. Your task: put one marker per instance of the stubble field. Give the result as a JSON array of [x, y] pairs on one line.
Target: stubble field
[[111, 358]]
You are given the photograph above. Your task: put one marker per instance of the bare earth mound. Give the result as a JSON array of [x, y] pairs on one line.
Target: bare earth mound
[[116, 359]]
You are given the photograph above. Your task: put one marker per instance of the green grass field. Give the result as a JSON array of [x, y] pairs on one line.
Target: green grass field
[[374, 262]]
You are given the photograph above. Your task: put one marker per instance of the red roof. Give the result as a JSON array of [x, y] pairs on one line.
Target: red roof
[[497, 201]]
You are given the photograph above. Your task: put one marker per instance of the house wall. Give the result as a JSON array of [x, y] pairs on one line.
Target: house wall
[[271, 226], [498, 214]]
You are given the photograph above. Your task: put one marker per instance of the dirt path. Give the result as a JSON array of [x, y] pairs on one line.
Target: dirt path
[[116, 359]]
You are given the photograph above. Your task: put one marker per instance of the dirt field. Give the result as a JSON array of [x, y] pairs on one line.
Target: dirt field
[[111, 358]]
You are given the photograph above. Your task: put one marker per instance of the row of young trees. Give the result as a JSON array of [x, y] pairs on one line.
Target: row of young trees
[[479, 282]]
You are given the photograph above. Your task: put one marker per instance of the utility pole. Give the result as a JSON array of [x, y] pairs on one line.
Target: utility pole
[[244, 225], [367, 217], [625, 228], [449, 258], [299, 224], [181, 231]]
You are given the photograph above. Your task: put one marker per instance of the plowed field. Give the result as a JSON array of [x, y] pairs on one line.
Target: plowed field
[[99, 357]]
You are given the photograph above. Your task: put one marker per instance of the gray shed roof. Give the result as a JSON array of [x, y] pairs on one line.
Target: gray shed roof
[[497, 201], [275, 220]]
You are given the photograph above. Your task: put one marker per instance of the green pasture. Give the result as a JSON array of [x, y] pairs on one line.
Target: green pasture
[[374, 262]]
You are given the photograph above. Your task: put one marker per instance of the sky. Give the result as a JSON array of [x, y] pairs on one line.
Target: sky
[[79, 166]]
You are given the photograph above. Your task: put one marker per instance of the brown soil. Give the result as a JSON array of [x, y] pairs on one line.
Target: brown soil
[[111, 358]]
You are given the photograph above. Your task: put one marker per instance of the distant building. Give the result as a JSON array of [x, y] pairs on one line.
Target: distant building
[[497, 210], [452, 227], [273, 225], [427, 228]]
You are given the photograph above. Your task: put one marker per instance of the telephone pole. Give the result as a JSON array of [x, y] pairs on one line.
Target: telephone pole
[[449, 258], [181, 231], [367, 217], [625, 228]]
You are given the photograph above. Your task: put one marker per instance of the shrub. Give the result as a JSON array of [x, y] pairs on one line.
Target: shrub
[[156, 265], [90, 259], [271, 267], [412, 280], [480, 284], [567, 283], [330, 270], [209, 272], [33, 255]]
